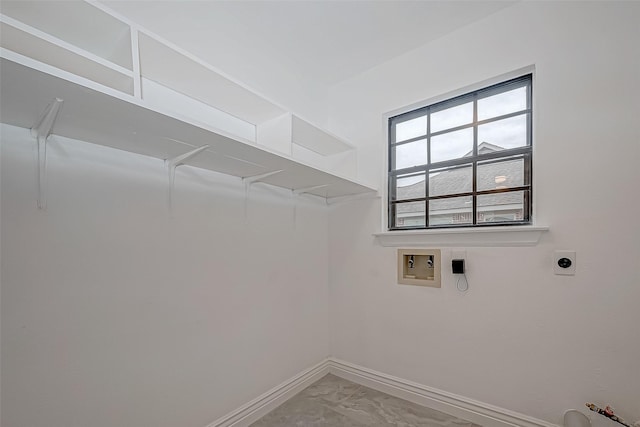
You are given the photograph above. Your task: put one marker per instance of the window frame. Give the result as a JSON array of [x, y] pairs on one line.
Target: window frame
[[525, 153]]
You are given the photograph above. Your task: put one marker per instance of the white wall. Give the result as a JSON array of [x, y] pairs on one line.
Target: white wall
[[520, 338], [116, 314]]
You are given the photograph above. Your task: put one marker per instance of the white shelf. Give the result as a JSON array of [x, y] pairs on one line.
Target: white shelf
[[129, 89], [315, 139], [288, 129], [79, 24], [96, 114], [463, 237], [33, 43], [237, 108], [180, 71], [301, 140], [156, 95]]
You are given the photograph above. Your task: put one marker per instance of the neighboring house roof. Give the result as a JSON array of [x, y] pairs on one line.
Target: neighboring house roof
[[460, 181], [484, 148]]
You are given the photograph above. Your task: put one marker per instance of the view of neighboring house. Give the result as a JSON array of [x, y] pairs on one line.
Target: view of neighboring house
[[501, 207]]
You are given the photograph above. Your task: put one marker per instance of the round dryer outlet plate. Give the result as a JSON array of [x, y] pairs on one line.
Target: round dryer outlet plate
[[574, 418]]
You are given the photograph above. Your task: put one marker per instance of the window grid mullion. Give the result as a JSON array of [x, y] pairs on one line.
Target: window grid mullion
[[426, 174], [501, 155], [392, 134], [471, 124], [527, 194], [474, 189], [391, 215]]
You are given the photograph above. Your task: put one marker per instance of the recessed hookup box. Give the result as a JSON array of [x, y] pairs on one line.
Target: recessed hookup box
[[419, 267]]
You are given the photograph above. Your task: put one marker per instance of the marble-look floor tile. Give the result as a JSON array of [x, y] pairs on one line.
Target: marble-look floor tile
[[374, 408], [331, 388], [335, 402], [301, 412]]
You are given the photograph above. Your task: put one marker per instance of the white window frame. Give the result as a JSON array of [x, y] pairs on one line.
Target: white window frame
[[489, 236], [476, 159]]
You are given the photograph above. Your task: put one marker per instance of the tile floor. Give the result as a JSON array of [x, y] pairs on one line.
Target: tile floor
[[333, 401]]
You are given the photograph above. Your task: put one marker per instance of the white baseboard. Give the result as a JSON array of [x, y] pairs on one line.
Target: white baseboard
[[468, 409], [462, 407], [262, 405]]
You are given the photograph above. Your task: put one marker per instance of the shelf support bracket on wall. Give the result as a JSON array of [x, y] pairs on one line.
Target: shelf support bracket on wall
[[249, 180], [299, 191], [173, 163], [257, 178], [41, 132]]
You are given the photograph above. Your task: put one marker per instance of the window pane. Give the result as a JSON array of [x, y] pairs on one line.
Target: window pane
[[411, 129], [501, 207], [502, 103], [507, 133], [410, 214], [451, 181], [411, 154], [456, 210], [496, 175], [409, 187], [452, 145], [452, 117]]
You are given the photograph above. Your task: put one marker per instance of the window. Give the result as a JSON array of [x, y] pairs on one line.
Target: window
[[463, 162]]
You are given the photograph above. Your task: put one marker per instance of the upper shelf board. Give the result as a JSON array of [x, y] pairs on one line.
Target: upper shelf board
[[78, 23], [188, 75], [97, 115], [315, 139], [31, 42]]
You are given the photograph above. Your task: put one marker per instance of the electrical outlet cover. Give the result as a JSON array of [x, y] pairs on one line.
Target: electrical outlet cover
[[568, 268]]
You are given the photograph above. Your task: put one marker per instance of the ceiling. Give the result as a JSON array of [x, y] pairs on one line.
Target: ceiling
[[322, 42]]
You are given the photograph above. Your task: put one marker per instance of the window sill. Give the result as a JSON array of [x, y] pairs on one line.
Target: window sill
[[525, 235]]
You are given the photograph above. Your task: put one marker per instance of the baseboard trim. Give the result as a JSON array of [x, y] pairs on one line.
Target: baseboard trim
[[459, 406], [468, 409], [262, 405]]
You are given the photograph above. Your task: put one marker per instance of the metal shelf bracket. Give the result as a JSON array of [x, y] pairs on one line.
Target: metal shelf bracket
[[173, 163], [248, 180], [299, 191], [41, 132]]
